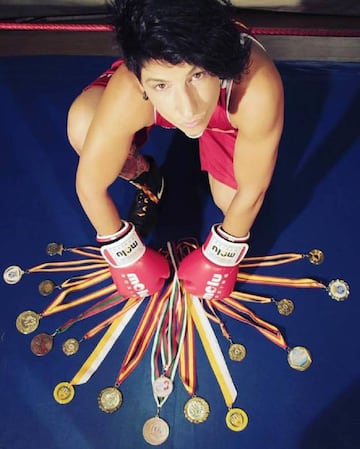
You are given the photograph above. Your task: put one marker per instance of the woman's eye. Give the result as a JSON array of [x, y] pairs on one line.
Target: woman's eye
[[198, 75], [160, 86]]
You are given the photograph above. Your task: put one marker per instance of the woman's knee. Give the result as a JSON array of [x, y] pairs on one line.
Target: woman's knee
[[80, 116]]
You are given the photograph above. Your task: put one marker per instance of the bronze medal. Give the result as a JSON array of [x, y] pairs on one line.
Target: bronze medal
[[27, 322], [316, 256], [236, 419], [41, 344], [70, 346], [196, 410], [299, 358], [46, 287], [237, 352], [64, 392], [54, 249], [155, 431], [110, 399], [162, 387], [13, 274], [338, 289], [285, 306]]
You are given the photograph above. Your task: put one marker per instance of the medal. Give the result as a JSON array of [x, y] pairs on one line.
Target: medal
[[237, 352], [285, 306], [155, 431], [162, 387], [46, 287], [299, 358], [110, 399], [338, 289], [55, 248], [196, 410], [27, 322], [70, 346], [13, 274], [316, 256], [64, 393], [41, 344], [236, 419]]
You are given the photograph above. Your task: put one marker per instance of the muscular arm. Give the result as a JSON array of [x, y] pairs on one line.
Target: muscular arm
[[257, 112], [121, 112]]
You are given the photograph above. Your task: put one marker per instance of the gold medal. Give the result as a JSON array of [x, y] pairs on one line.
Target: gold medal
[[299, 358], [70, 346], [285, 306], [338, 289], [46, 287], [236, 419], [13, 274], [54, 249], [316, 256], [196, 410], [27, 322], [155, 431], [162, 387], [110, 399], [41, 344], [64, 392], [237, 352]]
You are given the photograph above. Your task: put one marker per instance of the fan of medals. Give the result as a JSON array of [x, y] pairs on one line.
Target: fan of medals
[[169, 322]]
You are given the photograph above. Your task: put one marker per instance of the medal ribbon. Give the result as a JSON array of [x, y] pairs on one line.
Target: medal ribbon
[[143, 334], [107, 342], [270, 331], [212, 349], [187, 365], [285, 282], [275, 259]]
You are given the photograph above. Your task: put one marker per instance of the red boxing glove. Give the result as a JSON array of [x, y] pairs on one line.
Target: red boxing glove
[[136, 270], [210, 272]]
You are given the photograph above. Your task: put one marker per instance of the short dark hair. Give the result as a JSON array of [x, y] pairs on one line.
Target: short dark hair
[[199, 32]]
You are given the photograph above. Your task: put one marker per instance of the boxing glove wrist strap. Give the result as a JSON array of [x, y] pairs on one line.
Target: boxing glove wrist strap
[[220, 230], [123, 248], [223, 252]]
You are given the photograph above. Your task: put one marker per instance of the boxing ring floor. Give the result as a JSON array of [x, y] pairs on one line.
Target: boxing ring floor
[[313, 203]]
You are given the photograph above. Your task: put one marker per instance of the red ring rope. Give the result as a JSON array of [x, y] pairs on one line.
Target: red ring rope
[[260, 31]]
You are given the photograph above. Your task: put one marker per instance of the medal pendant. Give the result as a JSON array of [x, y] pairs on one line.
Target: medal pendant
[[338, 289], [162, 387], [46, 287], [316, 256], [41, 344], [13, 274], [110, 399], [285, 307], [299, 358], [64, 393], [196, 410], [236, 419], [54, 249], [27, 322], [237, 352], [155, 431], [70, 346]]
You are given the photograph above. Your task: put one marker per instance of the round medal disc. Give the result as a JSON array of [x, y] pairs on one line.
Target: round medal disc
[[46, 287], [110, 399], [155, 431], [162, 387], [299, 358], [338, 289], [285, 307], [54, 249], [41, 344], [64, 392], [27, 322], [236, 419], [237, 352], [316, 256], [196, 410], [70, 346], [13, 274]]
